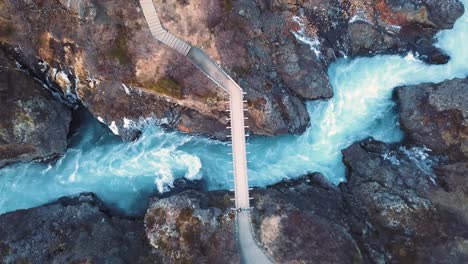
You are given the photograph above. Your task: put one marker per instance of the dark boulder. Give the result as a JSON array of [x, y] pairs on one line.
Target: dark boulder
[[73, 230], [34, 124], [191, 227], [304, 221], [436, 115], [402, 214]]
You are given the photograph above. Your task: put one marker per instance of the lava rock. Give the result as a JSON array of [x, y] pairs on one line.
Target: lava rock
[[436, 115], [73, 230], [34, 124]]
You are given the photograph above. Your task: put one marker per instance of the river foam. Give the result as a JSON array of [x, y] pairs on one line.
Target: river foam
[[125, 174]]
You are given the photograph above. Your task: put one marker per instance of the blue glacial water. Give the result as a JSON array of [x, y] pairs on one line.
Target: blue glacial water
[[124, 174]]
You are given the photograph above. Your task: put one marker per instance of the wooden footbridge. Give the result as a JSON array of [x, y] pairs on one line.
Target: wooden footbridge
[[249, 250]]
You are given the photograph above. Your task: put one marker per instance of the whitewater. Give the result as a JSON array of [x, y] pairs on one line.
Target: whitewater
[[125, 174]]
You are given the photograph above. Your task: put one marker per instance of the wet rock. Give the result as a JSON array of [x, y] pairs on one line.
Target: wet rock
[[302, 73], [73, 230], [435, 115], [34, 124]]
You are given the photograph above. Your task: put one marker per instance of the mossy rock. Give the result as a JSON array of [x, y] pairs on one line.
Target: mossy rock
[[221, 202], [168, 87], [155, 217], [188, 226]]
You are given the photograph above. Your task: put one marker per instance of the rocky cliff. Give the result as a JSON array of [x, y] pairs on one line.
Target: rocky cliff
[[435, 115], [101, 54], [73, 230], [33, 124]]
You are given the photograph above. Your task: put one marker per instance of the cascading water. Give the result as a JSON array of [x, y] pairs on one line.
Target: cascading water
[[125, 174]]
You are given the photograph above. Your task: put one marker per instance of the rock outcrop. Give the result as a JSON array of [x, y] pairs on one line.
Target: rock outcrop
[[298, 221], [102, 55], [402, 212], [73, 230], [382, 26], [34, 124], [436, 115], [192, 227]]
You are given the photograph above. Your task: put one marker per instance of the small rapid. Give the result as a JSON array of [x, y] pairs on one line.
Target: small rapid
[[125, 174]]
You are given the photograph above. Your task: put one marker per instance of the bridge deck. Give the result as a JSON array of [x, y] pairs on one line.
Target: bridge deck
[[159, 32]]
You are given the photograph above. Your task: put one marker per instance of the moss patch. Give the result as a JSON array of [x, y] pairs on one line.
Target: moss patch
[[155, 217], [240, 70], [119, 51], [227, 5], [222, 203], [212, 100], [168, 87], [188, 227], [23, 125]]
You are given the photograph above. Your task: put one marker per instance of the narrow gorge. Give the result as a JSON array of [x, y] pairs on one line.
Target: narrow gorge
[[358, 144]]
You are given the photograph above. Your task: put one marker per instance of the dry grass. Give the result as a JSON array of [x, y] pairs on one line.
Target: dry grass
[[119, 51]]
